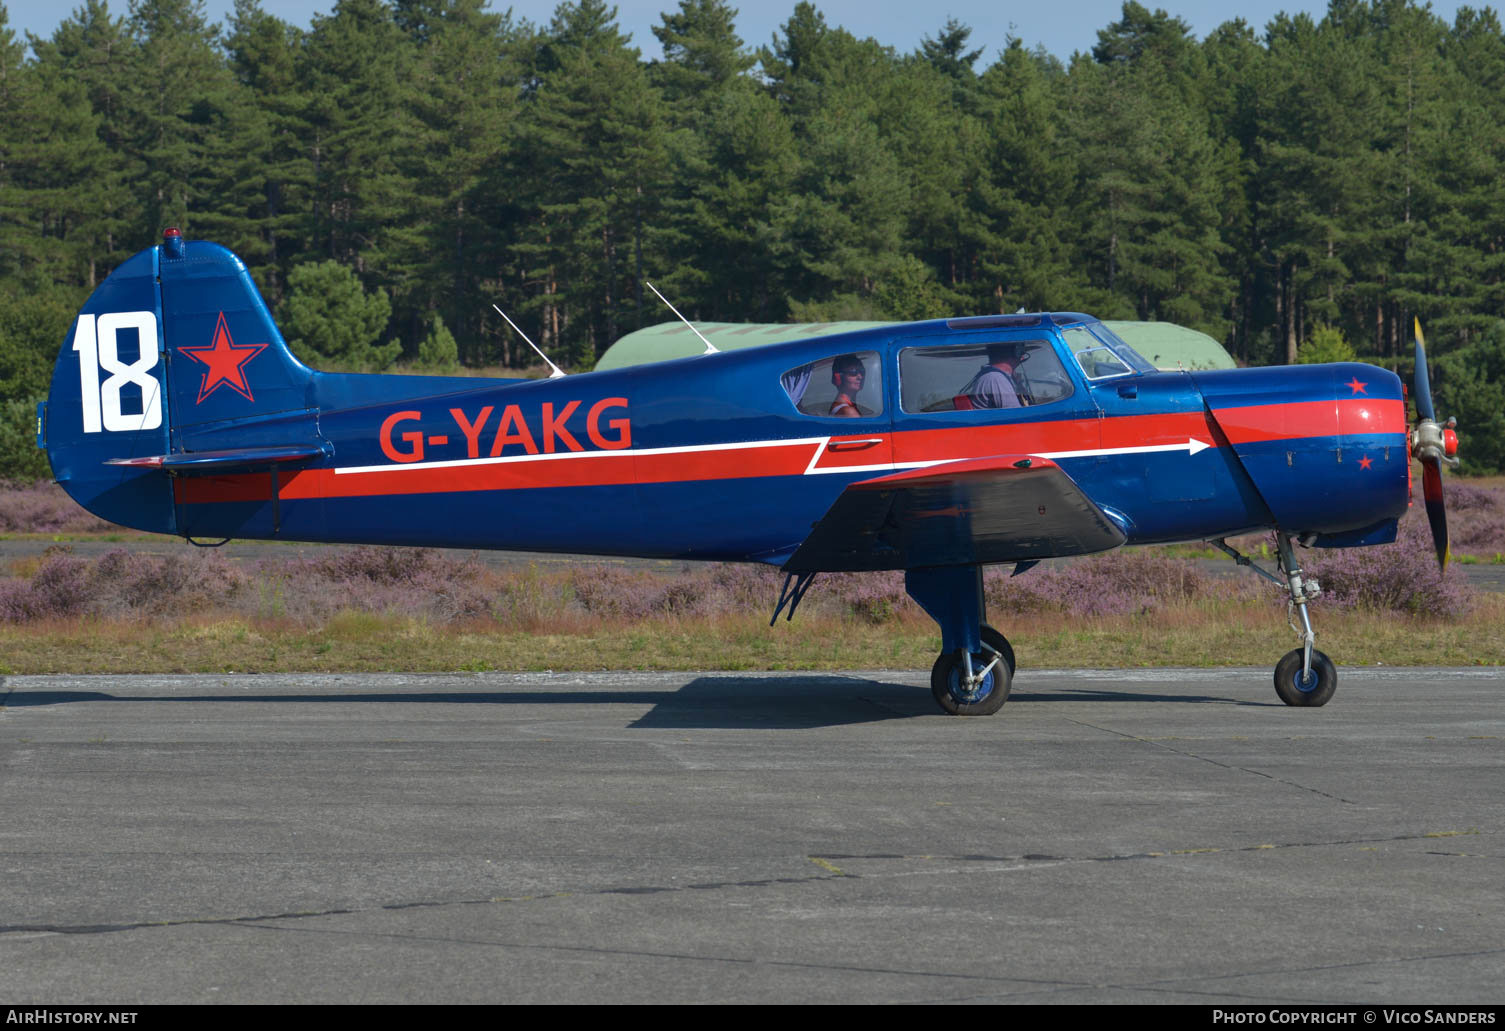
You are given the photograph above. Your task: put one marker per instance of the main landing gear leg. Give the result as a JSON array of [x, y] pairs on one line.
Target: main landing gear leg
[[1304, 676], [975, 669]]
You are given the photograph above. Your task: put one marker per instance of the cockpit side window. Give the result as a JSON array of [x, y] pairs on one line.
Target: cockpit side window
[[1005, 374], [844, 386]]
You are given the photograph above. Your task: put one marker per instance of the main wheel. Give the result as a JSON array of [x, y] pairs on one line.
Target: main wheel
[[1313, 689], [1000, 644], [948, 684]]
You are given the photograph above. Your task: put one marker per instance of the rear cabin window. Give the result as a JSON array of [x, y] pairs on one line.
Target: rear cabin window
[[844, 386], [1012, 374]]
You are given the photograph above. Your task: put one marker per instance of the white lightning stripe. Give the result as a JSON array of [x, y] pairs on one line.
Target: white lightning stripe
[[1191, 447], [618, 453]]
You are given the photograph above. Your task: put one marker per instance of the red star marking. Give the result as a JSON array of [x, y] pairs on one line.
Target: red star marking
[[1356, 386], [226, 360], [1365, 462]]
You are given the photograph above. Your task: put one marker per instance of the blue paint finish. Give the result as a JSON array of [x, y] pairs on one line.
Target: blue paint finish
[[952, 596], [550, 520], [1175, 495], [206, 284], [130, 497], [1326, 482], [1382, 532]]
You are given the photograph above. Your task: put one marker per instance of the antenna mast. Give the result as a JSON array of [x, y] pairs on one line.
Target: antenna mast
[[710, 348], [557, 370]]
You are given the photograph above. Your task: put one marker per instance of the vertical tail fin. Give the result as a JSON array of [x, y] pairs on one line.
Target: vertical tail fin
[[176, 343]]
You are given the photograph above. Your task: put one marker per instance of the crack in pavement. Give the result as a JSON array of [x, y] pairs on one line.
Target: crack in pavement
[[1180, 986], [1167, 854], [1214, 762], [826, 861], [654, 954], [421, 904]]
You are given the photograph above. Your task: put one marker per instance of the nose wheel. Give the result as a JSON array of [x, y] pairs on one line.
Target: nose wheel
[[1309, 687]]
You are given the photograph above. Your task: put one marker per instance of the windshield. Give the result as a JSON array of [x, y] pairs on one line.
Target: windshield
[[1114, 342], [1100, 352]]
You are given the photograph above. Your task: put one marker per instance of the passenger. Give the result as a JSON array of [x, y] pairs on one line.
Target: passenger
[[847, 375], [993, 386]]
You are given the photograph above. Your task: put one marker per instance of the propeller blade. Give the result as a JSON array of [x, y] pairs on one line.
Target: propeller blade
[[1437, 516], [1423, 381]]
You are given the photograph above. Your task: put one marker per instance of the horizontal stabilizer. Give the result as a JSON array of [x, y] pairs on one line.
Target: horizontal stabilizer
[[190, 463], [1010, 508]]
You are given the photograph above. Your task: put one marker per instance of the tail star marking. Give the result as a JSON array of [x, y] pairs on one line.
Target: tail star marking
[[226, 360]]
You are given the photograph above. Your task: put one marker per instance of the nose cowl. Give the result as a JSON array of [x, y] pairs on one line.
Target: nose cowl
[[1325, 445]]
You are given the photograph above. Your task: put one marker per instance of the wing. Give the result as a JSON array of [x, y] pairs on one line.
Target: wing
[[1008, 508]]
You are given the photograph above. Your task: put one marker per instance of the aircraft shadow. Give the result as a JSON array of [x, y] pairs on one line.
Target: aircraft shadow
[[727, 702], [1087, 694]]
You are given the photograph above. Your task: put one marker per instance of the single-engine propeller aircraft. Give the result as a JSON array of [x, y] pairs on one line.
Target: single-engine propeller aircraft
[[933, 447]]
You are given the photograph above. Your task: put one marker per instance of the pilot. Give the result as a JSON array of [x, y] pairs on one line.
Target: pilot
[[847, 375], [993, 386]]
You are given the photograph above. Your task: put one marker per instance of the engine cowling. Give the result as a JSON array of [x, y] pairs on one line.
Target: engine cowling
[[1325, 445]]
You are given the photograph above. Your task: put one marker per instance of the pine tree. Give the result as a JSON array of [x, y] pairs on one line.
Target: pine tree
[[261, 178], [1316, 151], [354, 72], [464, 107], [841, 227], [1018, 219], [90, 51], [1237, 73], [702, 52], [176, 90], [1468, 240], [594, 133], [333, 321]]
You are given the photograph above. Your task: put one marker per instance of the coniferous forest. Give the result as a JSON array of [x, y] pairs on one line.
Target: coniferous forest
[[1296, 189]]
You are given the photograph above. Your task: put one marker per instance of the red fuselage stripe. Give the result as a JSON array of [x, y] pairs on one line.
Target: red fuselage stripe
[[1359, 416]]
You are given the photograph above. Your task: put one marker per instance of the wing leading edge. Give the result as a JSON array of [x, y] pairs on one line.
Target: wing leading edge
[[1008, 508]]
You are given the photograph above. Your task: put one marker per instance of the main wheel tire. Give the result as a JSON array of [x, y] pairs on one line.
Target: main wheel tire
[[1000, 644], [946, 684], [1315, 689]]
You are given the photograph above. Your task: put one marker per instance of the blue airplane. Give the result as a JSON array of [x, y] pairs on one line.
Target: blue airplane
[[933, 447]]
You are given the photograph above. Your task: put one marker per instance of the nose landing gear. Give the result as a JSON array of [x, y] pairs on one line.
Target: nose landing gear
[[1304, 676]]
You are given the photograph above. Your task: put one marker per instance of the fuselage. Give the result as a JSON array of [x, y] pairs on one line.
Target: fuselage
[[729, 456], [707, 457]]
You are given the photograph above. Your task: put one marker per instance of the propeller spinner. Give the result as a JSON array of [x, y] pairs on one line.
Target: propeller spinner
[[1432, 445]]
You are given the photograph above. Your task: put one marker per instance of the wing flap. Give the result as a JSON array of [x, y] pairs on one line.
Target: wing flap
[[1010, 508]]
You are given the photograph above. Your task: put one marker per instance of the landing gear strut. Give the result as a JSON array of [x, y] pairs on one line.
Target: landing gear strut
[[975, 669], [977, 683], [1304, 676]]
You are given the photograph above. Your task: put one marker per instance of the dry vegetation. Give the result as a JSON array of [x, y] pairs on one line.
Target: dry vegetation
[[418, 610]]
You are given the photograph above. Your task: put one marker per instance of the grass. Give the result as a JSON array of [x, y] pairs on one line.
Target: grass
[[410, 610], [1249, 633]]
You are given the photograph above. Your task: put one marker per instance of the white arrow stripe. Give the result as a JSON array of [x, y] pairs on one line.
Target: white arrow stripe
[[1191, 447]]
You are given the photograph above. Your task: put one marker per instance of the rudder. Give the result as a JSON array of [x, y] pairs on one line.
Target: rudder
[[176, 343]]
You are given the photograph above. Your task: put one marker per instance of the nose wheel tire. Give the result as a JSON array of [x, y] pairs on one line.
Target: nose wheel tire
[[1312, 690], [948, 683]]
